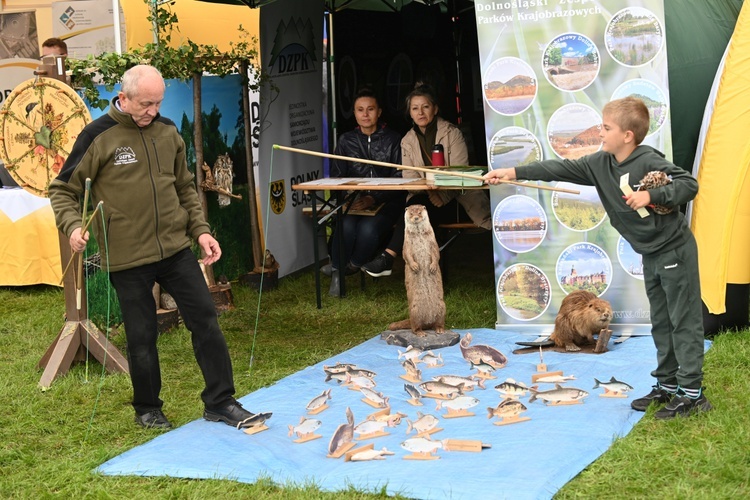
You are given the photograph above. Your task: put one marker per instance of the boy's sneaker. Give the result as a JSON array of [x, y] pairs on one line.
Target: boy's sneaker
[[681, 406], [382, 265], [657, 395]]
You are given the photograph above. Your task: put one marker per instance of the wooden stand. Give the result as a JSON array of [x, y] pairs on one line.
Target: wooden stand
[[413, 380], [511, 420], [310, 436], [465, 445], [349, 454], [612, 394], [457, 413], [485, 375], [374, 404], [421, 456], [414, 402], [256, 429], [317, 410], [537, 376], [344, 448], [565, 403], [77, 336]]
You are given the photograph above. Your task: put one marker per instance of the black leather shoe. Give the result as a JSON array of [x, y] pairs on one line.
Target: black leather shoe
[[153, 419], [232, 414]]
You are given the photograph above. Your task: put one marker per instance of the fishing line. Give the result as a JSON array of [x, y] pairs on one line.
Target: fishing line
[[102, 377], [263, 264]]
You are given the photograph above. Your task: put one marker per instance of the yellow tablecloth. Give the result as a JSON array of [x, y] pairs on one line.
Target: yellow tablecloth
[[29, 242]]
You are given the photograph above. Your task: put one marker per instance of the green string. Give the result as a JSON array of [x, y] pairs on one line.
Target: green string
[[263, 265], [106, 328]]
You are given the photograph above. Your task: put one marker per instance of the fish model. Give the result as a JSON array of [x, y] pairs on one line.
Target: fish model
[[305, 426], [375, 397], [442, 389], [254, 421], [370, 427], [412, 391], [613, 385], [412, 353], [421, 445], [458, 404], [482, 367], [361, 372], [554, 379], [423, 423], [371, 454], [431, 360], [411, 369], [319, 401], [512, 388], [507, 408], [469, 383], [338, 367], [559, 394], [479, 354], [343, 434], [337, 376], [360, 381]]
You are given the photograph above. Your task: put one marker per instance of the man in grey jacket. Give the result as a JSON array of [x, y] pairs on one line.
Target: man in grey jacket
[[135, 159]]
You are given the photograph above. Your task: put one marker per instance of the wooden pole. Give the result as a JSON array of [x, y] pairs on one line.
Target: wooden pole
[[257, 249], [198, 139], [419, 169]]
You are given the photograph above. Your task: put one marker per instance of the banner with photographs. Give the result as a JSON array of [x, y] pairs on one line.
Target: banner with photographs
[[548, 67]]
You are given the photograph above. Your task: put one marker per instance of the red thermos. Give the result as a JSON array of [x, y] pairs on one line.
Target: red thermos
[[437, 156]]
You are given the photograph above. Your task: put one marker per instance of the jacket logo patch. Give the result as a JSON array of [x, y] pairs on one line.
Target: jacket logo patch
[[278, 196], [671, 266], [124, 155]]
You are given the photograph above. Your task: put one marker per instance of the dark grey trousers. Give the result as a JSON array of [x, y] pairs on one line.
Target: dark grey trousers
[[674, 295]]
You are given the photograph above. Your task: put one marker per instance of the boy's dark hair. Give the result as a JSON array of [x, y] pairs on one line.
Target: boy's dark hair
[[366, 92], [629, 113], [56, 42]]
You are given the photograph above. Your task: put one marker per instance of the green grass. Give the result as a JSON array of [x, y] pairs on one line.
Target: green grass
[[51, 441]]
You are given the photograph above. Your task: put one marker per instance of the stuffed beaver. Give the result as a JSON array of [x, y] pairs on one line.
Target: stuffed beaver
[[582, 314]]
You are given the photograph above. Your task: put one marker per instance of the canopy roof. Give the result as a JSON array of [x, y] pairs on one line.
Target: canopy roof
[[338, 5]]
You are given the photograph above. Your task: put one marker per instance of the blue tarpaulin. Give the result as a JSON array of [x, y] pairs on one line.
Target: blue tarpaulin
[[531, 459]]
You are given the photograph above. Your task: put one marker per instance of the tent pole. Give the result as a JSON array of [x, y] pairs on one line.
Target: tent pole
[[116, 17], [332, 74]]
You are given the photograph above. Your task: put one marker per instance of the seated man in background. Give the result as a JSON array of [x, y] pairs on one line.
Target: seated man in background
[[54, 47]]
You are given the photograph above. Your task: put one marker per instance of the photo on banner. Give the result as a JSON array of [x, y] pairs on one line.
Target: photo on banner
[[548, 68]]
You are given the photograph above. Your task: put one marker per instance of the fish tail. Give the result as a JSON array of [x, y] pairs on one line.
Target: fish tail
[[291, 430], [490, 412], [409, 426], [597, 383]]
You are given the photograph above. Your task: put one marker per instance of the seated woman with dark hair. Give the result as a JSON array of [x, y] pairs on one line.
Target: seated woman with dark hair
[[364, 235]]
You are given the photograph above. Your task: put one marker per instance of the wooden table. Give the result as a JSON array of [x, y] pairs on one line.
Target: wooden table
[[347, 189]]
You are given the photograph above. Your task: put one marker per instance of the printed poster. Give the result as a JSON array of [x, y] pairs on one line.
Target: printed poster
[[548, 67], [87, 26]]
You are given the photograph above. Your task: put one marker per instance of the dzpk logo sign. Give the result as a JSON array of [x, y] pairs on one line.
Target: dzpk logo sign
[[67, 18], [293, 49]]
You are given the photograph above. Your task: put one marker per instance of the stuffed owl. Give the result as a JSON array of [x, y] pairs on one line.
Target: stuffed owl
[[655, 179]]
